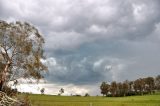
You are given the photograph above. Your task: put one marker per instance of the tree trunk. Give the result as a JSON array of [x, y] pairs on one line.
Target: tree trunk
[[3, 80], [1, 85]]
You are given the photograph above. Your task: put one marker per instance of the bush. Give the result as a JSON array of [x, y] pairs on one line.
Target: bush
[[86, 95]]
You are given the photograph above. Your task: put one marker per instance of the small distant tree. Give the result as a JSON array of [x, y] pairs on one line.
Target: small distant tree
[[61, 91], [86, 95], [42, 90]]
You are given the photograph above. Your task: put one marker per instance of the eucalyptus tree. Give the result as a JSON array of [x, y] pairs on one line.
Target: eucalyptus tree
[[104, 88], [157, 82], [113, 88], [150, 84], [139, 86], [21, 51], [125, 86], [120, 90]]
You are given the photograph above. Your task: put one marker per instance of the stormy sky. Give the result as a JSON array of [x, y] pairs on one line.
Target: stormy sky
[[90, 41]]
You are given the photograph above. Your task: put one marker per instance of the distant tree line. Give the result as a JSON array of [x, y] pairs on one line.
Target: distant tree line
[[140, 86]]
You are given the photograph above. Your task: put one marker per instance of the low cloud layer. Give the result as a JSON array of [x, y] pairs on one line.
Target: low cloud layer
[[90, 41]]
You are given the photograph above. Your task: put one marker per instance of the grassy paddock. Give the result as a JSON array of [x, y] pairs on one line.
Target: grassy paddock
[[47, 100]]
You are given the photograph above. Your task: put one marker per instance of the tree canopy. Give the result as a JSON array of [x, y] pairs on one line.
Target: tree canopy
[[139, 86], [21, 51]]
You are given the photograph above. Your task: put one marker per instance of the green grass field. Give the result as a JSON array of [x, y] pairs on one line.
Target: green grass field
[[47, 100]]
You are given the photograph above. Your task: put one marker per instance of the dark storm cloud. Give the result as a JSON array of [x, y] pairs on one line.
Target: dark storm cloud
[[89, 41]]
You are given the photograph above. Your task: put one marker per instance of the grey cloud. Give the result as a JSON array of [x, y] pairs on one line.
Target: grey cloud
[[58, 19], [113, 61], [89, 41]]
